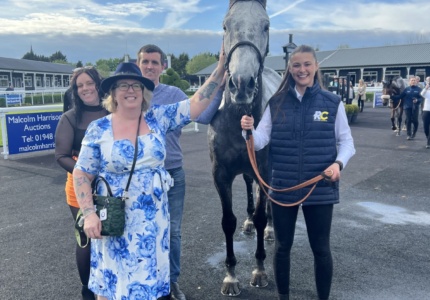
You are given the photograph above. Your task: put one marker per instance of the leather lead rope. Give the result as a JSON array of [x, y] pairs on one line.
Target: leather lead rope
[[263, 184]]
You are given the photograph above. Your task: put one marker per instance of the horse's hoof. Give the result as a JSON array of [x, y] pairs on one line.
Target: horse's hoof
[[259, 279], [269, 234], [230, 289], [248, 227]]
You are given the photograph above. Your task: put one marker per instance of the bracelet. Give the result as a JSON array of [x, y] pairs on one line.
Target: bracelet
[[88, 211], [340, 164]]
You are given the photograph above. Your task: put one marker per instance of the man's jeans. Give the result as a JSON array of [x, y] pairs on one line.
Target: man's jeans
[[176, 197]]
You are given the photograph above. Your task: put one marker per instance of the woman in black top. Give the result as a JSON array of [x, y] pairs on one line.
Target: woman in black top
[[86, 95]]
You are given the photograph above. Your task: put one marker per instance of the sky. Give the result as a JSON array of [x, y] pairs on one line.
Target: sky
[[88, 30]]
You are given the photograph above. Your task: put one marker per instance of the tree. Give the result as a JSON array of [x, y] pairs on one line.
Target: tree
[[79, 64], [200, 62], [57, 56], [171, 77], [179, 64]]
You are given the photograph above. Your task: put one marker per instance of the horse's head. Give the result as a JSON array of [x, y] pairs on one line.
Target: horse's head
[[395, 86], [246, 38]]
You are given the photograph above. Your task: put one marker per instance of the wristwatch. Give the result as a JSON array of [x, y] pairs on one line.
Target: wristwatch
[[340, 164]]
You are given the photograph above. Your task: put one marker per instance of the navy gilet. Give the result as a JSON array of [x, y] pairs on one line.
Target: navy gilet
[[303, 144]]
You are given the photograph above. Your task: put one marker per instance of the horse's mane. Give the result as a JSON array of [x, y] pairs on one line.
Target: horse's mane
[[398, 82]]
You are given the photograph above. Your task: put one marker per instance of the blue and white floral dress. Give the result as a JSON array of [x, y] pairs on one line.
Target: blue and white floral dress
[[135, 265]]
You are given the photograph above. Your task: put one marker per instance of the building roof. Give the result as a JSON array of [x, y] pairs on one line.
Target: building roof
[[371, 57], [26, 65]]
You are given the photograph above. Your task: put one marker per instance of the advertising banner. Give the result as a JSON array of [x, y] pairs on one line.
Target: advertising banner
[[31, 132], [378, 102]]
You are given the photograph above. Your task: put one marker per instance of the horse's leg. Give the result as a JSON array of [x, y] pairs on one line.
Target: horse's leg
[[259, 276], [399, 120], [269, 234], [223, 184], [248, 225], [393, 115]]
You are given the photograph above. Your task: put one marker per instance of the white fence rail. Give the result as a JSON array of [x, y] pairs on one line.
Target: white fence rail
[[47, 95]]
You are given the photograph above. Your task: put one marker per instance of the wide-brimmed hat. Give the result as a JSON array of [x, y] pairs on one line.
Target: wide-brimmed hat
[[126, 70]]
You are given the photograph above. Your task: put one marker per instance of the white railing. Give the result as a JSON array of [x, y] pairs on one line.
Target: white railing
[[47, 94]]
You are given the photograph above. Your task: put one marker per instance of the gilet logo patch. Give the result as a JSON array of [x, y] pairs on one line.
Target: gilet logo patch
[[321, 116]]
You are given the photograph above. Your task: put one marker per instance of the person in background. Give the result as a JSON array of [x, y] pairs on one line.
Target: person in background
[[87, 95], [302, 117], [361, 94], [136, 264], [10, 88], [412, 98], [150, 60], [418, 80], [426, 111], [351, 94]]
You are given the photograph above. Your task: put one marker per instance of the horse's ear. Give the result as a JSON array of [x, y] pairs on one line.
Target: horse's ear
[[262, 2]]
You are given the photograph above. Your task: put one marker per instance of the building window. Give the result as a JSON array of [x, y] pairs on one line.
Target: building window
[[28, 81], [391, 74], [39, 81], [370, 77], [4, 81], [421, 73]]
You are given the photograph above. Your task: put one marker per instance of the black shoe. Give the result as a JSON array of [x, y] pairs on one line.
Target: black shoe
[[177, 294], [87, 294], [393, 127], [428, 147]]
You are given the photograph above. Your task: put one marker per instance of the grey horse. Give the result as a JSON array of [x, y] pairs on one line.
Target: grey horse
[[248, 88]]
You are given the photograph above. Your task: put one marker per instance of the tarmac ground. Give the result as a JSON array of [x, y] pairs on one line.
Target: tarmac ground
[[380, 232]]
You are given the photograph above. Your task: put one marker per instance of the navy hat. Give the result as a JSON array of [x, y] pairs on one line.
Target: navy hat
[[126, 70]]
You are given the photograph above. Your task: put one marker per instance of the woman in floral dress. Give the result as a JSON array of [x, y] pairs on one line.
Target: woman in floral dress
[[136, 264]]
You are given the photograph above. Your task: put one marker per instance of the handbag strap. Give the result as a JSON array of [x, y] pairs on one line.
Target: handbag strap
[[98, 178], [125, 195]]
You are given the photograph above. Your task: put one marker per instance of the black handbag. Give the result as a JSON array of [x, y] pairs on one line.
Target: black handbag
[[110, 209]]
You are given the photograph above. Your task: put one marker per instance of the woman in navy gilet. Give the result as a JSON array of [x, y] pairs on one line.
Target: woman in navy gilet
[[307, 132]]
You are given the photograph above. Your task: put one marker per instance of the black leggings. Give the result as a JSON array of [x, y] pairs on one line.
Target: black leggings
[[360, 103], [318, 224], [83, 255]]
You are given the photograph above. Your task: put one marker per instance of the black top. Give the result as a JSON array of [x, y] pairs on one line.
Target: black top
[[69, 134]]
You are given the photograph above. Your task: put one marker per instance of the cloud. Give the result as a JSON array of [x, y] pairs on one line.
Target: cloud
[[88, 30]]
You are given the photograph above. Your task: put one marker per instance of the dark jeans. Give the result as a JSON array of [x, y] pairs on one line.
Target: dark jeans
[[426, 124], [411, 118], [176, 197], [318, 224]]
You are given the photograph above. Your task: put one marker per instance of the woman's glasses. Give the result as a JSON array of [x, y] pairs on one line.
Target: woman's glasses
[[125, 86]]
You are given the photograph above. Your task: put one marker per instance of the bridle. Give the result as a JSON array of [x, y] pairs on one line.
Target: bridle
[[250, 44]]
